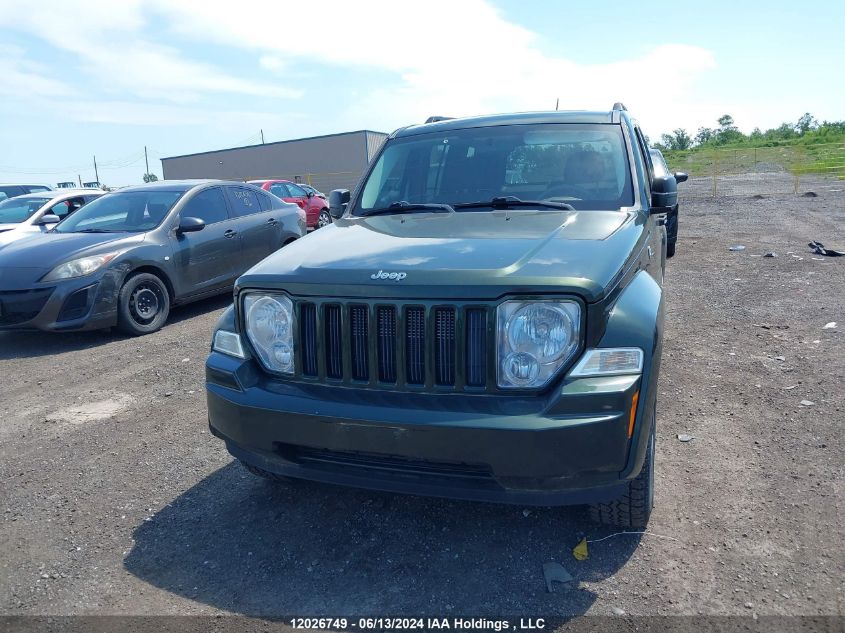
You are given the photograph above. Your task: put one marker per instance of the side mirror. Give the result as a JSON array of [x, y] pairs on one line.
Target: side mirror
[[309, 194], [681, 176], [48, 219], [190, 225], [338, 199], [664, 194]]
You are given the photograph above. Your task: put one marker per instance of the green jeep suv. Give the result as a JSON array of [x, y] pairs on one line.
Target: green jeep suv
[[483, 320]]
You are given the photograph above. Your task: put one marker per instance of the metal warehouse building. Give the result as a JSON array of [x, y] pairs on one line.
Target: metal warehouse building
[[328, 162]]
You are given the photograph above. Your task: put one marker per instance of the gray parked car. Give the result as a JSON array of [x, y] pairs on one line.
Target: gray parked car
[[12, 190], [124, 259]]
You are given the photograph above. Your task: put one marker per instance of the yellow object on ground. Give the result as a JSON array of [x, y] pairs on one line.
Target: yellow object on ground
[[580, 551]]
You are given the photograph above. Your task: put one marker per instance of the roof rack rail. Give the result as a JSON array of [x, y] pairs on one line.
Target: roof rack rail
[[435, 119], [619, 106]]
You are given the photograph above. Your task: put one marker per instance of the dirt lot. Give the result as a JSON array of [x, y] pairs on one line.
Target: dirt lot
[[115, 498]]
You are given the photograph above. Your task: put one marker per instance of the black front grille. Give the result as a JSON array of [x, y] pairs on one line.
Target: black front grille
[[400, 345], [386, 465], [19, 306]]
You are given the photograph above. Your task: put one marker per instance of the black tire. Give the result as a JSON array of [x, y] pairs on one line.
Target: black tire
[[325, 219], [670, 249], [143, 304], [264, 474], [632, 509]]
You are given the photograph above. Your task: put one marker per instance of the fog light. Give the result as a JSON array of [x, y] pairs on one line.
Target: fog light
[[521, 368]]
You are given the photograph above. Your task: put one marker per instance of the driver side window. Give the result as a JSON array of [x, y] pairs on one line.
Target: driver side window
[[209, 206]]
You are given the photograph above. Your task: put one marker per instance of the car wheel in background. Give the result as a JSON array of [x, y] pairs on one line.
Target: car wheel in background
[[143, 305], [633, 508], [325, 219]]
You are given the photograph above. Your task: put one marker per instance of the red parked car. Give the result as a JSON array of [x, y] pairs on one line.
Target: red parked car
[[314, 206]]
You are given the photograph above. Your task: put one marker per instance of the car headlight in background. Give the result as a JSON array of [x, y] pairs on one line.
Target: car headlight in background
[[268, 320], [535, 338], [617, 361], [79, 267]]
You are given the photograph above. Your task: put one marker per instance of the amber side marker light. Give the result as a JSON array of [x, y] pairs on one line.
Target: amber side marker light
[[633, 414]]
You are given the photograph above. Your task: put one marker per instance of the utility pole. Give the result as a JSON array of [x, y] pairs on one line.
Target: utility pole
[[96, 174], [557, 104], [262, 137], [146, 160], [79, 176]]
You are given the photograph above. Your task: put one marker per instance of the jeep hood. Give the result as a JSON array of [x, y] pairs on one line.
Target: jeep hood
[[457, 255]]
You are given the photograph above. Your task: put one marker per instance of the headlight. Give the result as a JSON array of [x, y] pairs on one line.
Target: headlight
[[617, 361], [79, 267], [269, 327], [535, 338]]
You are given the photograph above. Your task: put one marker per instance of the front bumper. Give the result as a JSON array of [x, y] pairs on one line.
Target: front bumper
[[567, 447], [85, 303]]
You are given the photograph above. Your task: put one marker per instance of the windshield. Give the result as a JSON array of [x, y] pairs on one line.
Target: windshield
[[129, 211], [15, 210], [585, 165]]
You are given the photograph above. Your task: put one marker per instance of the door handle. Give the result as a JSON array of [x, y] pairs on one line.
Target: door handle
[[272, 222], [230, 233]]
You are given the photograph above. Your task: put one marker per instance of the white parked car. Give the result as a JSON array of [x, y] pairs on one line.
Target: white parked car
[[38, 212]]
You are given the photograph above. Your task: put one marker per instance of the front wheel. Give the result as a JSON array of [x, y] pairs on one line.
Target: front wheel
[[143, 305], [632, 509], [325, 219]]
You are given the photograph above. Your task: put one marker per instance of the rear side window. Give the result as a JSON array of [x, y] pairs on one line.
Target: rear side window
[[244, 201], [209, 206], [265, 200]]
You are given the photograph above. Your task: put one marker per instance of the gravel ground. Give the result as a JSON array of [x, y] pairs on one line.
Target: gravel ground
[[116, 500]]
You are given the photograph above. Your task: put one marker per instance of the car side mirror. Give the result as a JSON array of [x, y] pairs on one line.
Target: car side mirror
[[48, 219], [681, 176], [338, 200], [190, 225], [309, 194], [664, 193]]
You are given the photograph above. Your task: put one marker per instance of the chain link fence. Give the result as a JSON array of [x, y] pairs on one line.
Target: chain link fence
[[747, 171]]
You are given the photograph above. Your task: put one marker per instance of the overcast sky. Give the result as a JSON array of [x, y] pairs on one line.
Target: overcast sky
[[107, 77]]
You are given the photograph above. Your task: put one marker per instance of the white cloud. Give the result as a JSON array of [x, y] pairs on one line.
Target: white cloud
[[113, 45], [447, 57], [24, 79]]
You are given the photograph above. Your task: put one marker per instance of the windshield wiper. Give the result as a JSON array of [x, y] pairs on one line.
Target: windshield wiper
[[403, 206], [100, 231], [510, 202]]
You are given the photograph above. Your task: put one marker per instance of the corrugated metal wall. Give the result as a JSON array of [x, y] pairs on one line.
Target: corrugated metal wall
[[325, 162]]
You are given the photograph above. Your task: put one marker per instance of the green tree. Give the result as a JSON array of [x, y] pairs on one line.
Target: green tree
[[150, 177], [806, 123], [703, 136]]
